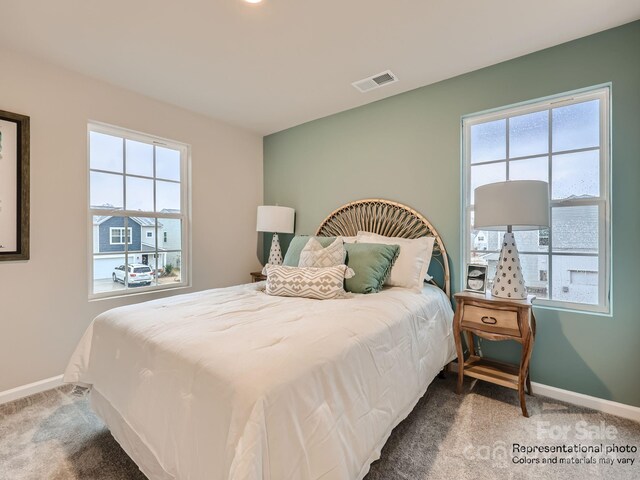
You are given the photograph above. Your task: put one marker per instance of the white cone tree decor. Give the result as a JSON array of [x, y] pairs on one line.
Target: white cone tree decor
[[275, 253], [509, 282]]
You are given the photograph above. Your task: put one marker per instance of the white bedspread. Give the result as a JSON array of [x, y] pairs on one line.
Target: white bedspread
[[234, 384]]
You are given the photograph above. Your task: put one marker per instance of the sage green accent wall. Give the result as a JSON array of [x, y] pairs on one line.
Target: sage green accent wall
[[407, 148]]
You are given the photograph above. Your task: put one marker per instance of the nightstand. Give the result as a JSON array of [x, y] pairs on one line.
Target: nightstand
[[495, 319], [257, 277]]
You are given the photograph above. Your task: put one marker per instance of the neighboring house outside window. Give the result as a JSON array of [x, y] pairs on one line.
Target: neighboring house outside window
[[138, 185], [171, 237], [564, 141]]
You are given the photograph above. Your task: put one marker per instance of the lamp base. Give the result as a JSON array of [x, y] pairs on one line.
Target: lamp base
[[509, 282], [275, 254]]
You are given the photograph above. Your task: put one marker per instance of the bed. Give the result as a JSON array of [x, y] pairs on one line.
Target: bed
[[232, 383]]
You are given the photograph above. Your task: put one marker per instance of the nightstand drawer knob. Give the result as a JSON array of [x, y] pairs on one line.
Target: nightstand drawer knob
[[489, 320]]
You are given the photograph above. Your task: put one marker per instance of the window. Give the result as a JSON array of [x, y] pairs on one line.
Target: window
[[564, 141], [116, 235], [138, 192]]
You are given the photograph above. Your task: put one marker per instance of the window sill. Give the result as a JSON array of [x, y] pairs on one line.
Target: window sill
[[606, 312], [96, 297]]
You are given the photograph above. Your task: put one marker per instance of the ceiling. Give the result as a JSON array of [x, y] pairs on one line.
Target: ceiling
[[270, 66]]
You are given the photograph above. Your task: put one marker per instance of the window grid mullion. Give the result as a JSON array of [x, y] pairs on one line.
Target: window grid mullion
[[550, 180], [507, 148], [524, 157], [155, 209], [531, 252], [582, 202], [142, 251], [128, 213], [124, 206], [126, 255], [133, 175]]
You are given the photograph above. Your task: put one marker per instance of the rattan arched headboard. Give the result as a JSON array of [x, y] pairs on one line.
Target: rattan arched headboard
[[391, 219]]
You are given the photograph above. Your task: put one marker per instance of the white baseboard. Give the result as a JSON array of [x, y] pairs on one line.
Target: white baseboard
[[581, 400], [30, 389]]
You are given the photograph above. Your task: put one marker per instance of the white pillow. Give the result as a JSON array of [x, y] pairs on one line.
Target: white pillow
[[315, 255], [410, 268]]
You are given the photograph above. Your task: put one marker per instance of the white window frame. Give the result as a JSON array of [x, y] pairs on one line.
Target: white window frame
[[184, 215], [601, 92], [121, 235]]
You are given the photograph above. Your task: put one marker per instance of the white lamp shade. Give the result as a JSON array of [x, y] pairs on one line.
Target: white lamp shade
[[275, 219], [520, 204]]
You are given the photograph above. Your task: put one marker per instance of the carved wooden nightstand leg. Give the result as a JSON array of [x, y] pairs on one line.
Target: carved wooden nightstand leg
[[531, 340], [521, 380], [523, 402], [460, 370], [524, 373], [458, 340]]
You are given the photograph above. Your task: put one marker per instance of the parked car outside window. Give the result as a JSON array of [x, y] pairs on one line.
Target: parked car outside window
[[139, 274]]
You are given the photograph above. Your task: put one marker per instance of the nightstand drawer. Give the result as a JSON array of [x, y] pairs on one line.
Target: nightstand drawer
[[491, 320]]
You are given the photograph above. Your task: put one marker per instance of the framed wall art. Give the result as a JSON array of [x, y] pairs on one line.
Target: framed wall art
[[476, 278], [14, 186]]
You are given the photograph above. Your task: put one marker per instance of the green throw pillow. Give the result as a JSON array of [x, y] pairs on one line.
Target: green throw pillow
[[371, 263], [292, 257]]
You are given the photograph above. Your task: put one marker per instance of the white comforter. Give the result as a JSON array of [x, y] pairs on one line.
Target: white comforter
[[234, 384]]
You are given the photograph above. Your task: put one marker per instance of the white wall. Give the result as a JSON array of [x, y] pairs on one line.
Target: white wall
[[43, 302]]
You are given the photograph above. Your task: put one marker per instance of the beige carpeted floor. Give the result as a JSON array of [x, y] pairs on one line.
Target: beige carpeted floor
[[54, 435]]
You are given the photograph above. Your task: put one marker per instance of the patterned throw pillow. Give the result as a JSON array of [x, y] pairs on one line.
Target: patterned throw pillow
[[292, 257], [315, 255], [310, 282]]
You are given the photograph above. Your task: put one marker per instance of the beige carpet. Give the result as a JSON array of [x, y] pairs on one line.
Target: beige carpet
[[54, 435]]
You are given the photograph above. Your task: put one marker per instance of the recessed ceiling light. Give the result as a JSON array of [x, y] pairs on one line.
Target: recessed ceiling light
[[253, 1]]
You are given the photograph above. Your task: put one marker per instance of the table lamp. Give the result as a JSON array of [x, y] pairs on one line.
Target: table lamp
[[275, 220], [512, 205]]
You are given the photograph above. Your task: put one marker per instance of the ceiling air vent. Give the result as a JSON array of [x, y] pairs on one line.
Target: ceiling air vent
[[375, 81]]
